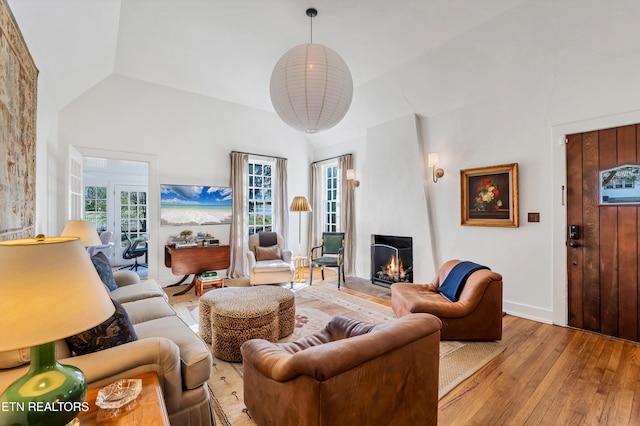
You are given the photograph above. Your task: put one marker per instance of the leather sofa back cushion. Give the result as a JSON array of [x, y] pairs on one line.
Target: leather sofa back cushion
[[268, 253]]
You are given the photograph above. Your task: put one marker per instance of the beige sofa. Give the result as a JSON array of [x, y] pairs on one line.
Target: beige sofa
[[165, 345], [270, 264]]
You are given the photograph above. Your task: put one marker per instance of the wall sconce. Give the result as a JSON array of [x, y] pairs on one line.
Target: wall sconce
[[433, 161], [351, 176]]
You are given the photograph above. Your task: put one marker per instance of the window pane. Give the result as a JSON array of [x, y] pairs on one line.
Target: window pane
[[267, 170], [258, 169]]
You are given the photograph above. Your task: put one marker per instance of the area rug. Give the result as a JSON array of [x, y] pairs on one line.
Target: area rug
[[315, 306]]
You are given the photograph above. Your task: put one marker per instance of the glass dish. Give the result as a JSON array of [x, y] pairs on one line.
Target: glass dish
[[119, 393]]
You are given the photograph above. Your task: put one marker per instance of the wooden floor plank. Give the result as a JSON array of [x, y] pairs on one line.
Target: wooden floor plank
[[550, 375]]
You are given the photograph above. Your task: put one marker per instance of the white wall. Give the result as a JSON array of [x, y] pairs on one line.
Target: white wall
[[189, 135], [505, 93], [502, 93]]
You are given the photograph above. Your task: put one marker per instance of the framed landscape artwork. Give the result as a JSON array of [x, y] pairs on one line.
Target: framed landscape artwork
[[195, 205], [489, 196]]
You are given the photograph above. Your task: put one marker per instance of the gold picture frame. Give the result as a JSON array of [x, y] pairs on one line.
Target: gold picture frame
[[489, 196]]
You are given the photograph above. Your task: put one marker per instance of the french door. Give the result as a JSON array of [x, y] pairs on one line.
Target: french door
[[131, 217]]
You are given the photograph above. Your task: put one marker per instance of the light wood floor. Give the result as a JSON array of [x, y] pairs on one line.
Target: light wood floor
[[548, 375]]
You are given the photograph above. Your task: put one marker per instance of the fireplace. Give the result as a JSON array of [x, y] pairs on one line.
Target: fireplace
[[391, 259]]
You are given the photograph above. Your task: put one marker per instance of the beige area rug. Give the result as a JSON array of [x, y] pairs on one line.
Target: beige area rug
[[315, 306]]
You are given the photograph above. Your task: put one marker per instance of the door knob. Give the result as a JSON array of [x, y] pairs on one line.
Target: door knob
[[574, 244]]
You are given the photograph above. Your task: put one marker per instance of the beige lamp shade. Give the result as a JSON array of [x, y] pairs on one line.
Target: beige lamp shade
[[300, 204], [84, 230], [49, 290], [311, 88]]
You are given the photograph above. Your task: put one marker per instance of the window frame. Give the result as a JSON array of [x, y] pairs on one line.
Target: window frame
[[261, 204], [331, 194]]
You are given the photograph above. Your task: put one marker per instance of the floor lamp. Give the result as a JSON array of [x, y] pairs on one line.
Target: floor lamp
[[300, 204]]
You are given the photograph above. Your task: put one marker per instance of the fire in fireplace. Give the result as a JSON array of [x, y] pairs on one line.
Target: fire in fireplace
[[391, 259]]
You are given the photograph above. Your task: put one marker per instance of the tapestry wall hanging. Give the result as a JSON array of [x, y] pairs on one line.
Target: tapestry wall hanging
[[18, 97]]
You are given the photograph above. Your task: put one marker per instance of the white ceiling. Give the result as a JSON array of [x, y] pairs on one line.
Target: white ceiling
[[226, 49]]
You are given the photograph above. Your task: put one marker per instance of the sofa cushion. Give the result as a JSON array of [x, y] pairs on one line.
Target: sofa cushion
[[15, 358], [195, 358], [268, 253], [142, 290], [18, 357], [276, 265], [103, 267], [148, 309], [116, 330]]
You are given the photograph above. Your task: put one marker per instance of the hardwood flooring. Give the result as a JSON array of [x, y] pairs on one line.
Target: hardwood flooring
[[548, 375]]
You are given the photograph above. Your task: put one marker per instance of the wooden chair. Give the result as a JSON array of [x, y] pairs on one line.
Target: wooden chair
[[331, 255]]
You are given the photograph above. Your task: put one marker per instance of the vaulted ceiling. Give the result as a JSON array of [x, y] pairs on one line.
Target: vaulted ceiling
[[226, 49]]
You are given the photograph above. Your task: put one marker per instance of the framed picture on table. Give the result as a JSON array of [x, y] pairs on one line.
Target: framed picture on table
[[489, 196]]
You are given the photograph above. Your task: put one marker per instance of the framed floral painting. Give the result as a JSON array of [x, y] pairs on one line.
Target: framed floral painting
[[489, 196]]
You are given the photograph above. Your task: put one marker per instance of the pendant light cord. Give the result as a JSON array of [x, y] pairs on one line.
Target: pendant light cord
[[311, 13]]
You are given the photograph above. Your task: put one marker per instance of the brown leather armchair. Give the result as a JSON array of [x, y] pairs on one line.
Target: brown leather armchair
[[477, 315], [348, 373]]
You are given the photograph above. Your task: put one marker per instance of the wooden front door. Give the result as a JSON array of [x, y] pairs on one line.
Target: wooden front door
[[602, 257]]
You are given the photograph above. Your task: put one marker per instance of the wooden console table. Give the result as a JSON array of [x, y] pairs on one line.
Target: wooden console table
[[148, 409], [195, 260]]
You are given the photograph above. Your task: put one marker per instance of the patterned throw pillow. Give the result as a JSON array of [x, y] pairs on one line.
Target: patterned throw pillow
[[268, 253], [115, 331], [101, 263]]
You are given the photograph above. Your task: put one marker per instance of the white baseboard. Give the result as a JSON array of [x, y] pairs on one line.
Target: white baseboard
[[528, 312]]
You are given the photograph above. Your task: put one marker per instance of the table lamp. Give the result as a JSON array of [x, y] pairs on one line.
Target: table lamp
[[83, 229], [49, 290], [300, 204]]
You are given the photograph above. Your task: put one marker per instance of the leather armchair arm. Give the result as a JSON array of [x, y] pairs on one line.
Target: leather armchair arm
[[287, 255], [321, 356]]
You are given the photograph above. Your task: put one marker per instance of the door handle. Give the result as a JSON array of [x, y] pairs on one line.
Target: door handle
[[574, 244]]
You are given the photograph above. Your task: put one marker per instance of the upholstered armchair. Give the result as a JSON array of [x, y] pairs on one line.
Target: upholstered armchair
[[475, 315], [349, 373], [269, 262]]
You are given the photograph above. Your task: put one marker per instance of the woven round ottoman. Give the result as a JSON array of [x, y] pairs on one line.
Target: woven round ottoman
[[230, 316]]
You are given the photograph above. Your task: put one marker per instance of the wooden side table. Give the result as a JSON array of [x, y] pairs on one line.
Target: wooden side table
[[148, 409], [200, 284], [299, 263]]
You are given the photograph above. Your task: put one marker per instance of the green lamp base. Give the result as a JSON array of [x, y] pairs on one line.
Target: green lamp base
[[50, 394]]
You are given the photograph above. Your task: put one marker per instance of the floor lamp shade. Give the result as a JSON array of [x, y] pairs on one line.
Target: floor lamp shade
[[49, 290], [300, 204], [311, 88]]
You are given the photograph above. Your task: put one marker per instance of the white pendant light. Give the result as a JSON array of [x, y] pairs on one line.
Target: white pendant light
[[311, 86]]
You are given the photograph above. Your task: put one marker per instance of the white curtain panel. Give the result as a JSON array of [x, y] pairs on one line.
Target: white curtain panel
[[238, 239], [347, 216], [280, 201], [315, 217]]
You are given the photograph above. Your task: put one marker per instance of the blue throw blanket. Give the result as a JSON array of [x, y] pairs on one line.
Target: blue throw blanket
[[454, 282]]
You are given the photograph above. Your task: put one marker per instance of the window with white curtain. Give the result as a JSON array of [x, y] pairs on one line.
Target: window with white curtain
[[331, 198], [260, 196]]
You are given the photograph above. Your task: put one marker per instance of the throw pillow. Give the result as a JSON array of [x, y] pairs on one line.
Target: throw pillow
[[116, 330], [103, 267], [268, 253]]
